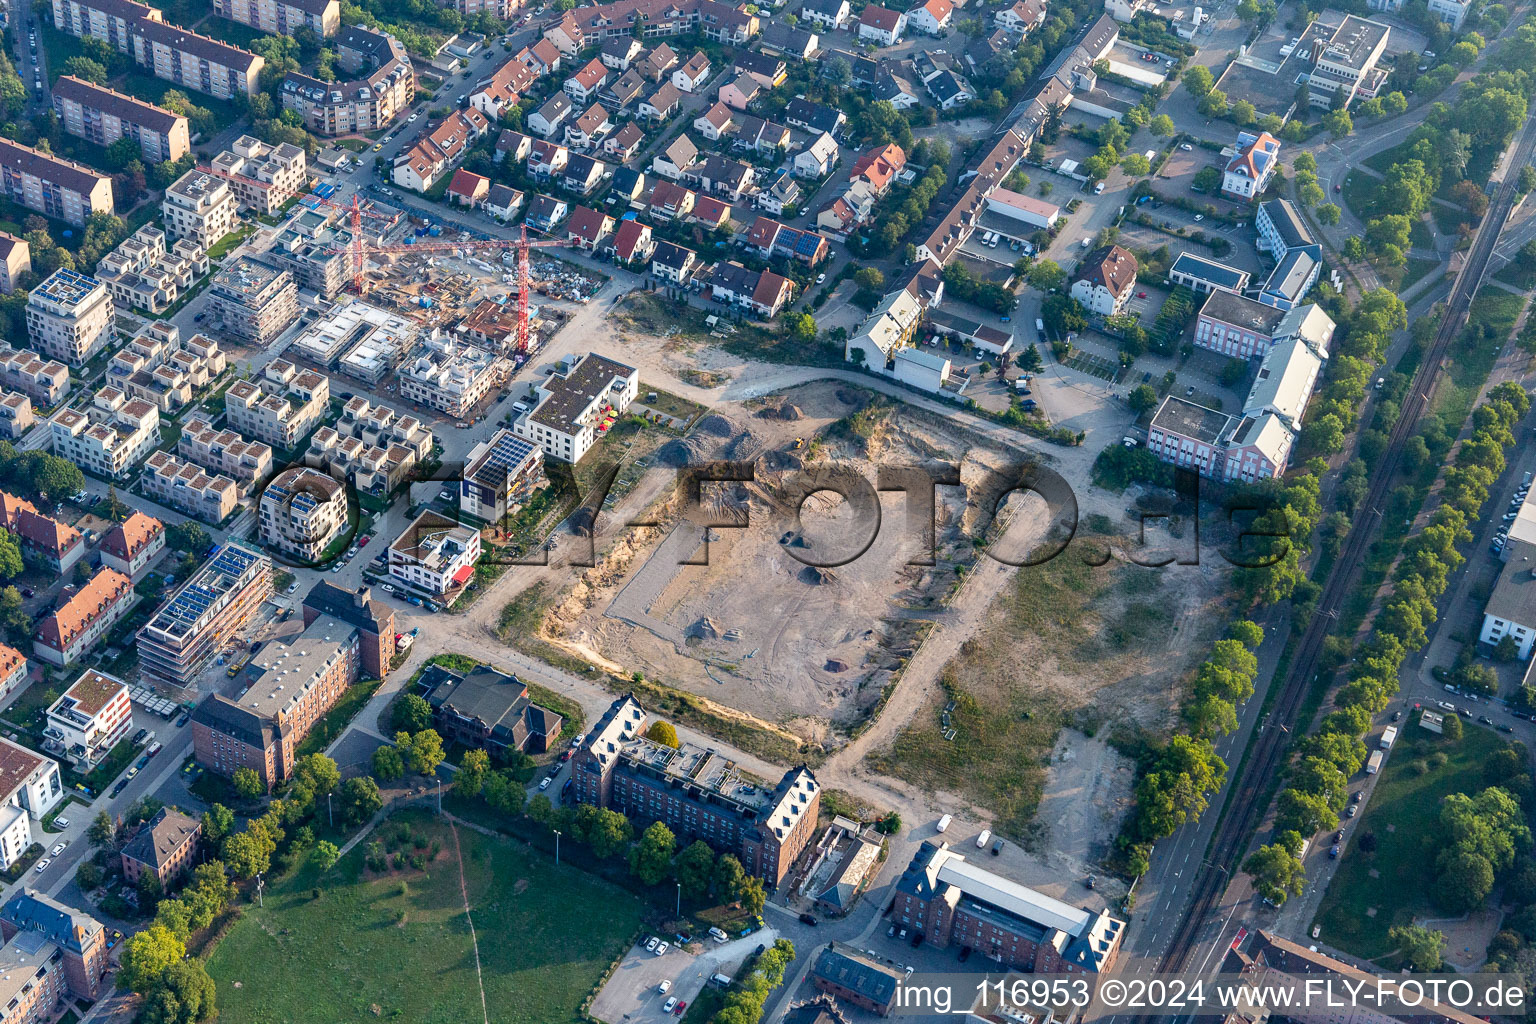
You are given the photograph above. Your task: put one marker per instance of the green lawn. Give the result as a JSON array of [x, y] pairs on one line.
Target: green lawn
[[1403, 814], [398, 947]]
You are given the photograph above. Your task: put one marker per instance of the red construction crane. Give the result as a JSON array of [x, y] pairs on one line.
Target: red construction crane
[[524, 272]]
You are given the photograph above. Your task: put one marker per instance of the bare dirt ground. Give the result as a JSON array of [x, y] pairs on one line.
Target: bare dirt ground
[[811, 648]]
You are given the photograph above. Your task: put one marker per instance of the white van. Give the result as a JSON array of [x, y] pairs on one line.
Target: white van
[[943, 823], [981, 840]]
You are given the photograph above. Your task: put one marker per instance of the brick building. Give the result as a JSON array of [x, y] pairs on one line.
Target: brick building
[[953, 902], [81, 937], [164, 846], [698, 793]]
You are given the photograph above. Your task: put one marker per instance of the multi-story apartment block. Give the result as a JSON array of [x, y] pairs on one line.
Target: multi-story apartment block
[[303, 512], [29, 787], [283, 17], [953, 902], [132, 545], [372, 445], [577, 405], [279, 407], [110, 437], [184, 486], [224, 451], [195, 61], [435, 554], [164, 846], [451, 376], [54, 187], [254, 301], [288, 688], [102, 116], [45, 381], [199, 207], [361, 339], [79, 935], [44, 540], [589, 26], [91, 718], [373, 620], [142, 274], [698, 793], [15, 260], [381, 87], [31, 970], [439, 149], [180, 642], [70, 317], [499, 476], [13, 671], [160, 366], [83, 617], [16, 416], [262, 177]]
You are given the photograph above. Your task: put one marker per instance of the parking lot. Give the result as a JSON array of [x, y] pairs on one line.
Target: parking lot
[[633, 994]]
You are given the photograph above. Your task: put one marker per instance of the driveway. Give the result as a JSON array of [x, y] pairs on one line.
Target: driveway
[[631, 994]]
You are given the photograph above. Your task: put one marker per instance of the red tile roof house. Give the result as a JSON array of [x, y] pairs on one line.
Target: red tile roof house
[[132, 545], [84, 617], [13, 671], [633, 243], [881, 25], [45, 540], [468, 188], [164, 847], [931, 16], [587, 228]]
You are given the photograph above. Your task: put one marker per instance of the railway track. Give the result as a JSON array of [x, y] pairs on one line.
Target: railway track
[[1244, 806]]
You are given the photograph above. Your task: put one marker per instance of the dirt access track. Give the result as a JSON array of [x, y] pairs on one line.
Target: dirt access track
[[810, 648]]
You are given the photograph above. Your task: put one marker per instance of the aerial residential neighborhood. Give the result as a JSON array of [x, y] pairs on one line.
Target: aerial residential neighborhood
[[675, 510]]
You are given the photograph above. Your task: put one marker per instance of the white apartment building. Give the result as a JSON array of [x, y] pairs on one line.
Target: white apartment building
[[200, 207], [110, 437], [160, 366], [223, 451], [91, 718], [143, 274], [577, 405], [499, 475], [435, 554], [279, 407], [303, 511], [70, 317], [210, 497], [451, 376], [262, 177]]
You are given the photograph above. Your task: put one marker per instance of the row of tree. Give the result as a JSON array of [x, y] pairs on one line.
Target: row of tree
[[1176, 781], [1317, 789]]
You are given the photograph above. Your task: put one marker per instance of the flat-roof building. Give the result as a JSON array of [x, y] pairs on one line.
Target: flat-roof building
[[697, 792], [70, 317], [182, 638], [577, 404], [254, 301], [89, 719]]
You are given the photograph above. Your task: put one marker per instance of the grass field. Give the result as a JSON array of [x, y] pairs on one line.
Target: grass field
[[398, 947], [1403, 814]]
